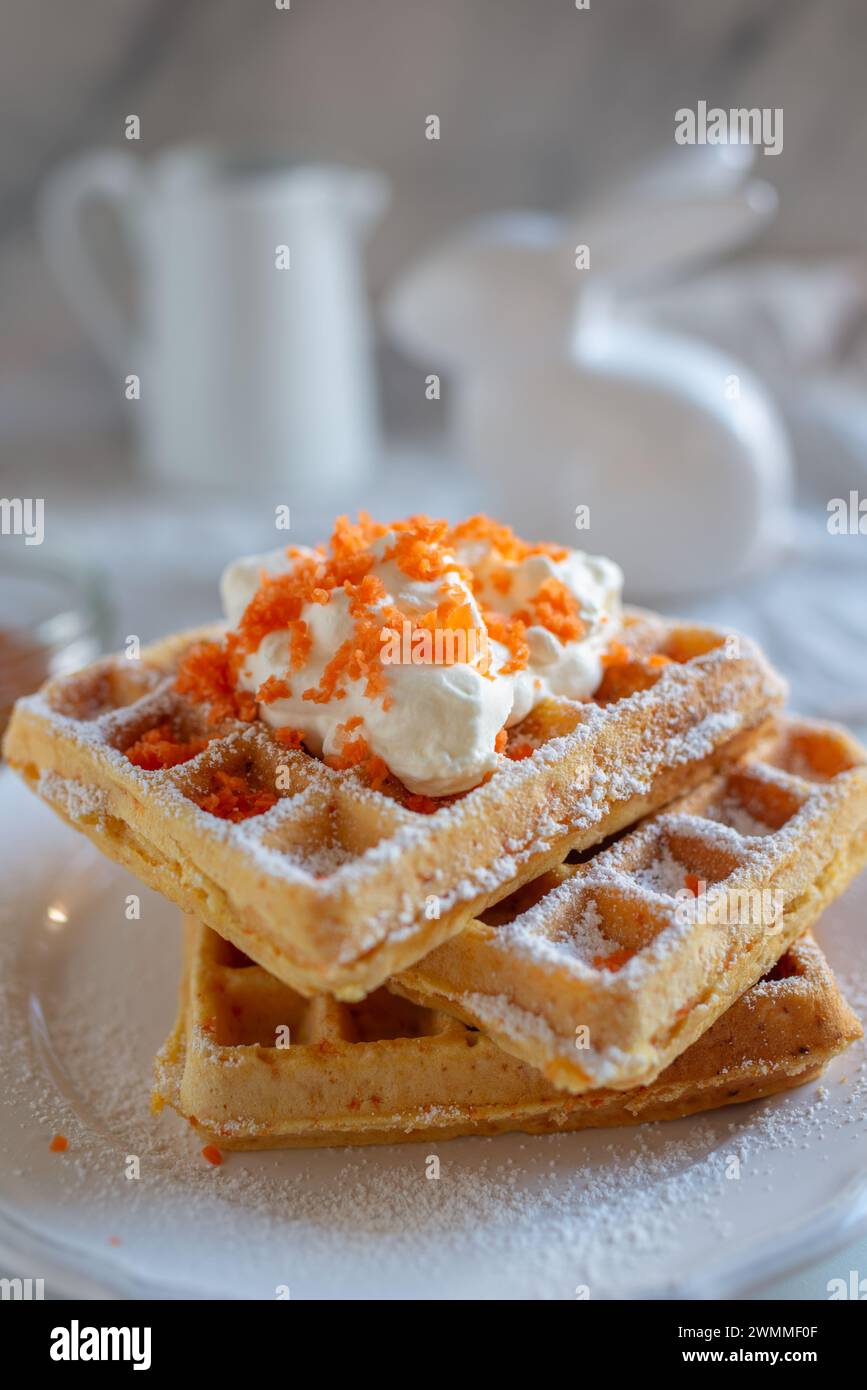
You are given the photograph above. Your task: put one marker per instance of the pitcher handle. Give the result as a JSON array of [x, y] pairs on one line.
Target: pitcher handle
[[112, 177]]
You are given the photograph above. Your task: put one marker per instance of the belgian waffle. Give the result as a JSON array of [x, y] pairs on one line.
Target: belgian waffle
[[386, 1070], [602, 972], [338, 886]]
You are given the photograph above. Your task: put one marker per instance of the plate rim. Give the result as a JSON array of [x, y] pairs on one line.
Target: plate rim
[[91, 1275]]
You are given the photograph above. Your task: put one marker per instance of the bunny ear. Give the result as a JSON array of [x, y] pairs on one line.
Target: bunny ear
[[501, 290], [642, 235]]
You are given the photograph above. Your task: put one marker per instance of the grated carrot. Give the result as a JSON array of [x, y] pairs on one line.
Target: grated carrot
[[207, 674], [232, 798], [290, 738], [615, 960], [273, 689], [158, 748], [503, 539], [555, 608], [423, 549]]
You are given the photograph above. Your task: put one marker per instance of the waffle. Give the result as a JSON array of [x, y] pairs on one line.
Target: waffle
[[386, 1070], [338, 886], [600, 975]]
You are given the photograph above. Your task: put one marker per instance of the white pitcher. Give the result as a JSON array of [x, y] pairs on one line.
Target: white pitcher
[[247, 370]]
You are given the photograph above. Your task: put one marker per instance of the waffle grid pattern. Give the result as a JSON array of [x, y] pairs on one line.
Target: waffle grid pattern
[[646, 943], [331, 888], [386, 1070]]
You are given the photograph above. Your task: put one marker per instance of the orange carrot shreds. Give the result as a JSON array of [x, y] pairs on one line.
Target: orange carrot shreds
[[520, 750], [212, 1154], [616, 654], [455, 612], [365, 595], [424, 550], [501, 741], [59, 1144], [502, 539], [424, 805], [158, 748], [615, 960], [300, 643], [273, 689], [231, 798], [693, 883], [555, 608], [377, 772], [359, 658], [501, 580], [354, 723], [279, 600], [625, 672], [356, 754], [352, 754], [351, 556], [421, 549], [455, 637], [618, 682], [511, 633], [290, 738], [207, 675]]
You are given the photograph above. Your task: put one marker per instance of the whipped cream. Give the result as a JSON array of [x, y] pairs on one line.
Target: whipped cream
[[439, 731]]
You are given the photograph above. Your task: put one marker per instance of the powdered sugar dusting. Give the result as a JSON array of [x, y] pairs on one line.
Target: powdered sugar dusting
[[77, 799], [542, 935], [324, 866], [530, 1216], [664, 874], [622, 1212]]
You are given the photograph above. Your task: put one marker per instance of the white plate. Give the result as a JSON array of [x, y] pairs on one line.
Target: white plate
[[631, 1212]]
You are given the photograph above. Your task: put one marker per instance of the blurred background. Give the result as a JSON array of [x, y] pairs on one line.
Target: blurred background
[[435, 257]]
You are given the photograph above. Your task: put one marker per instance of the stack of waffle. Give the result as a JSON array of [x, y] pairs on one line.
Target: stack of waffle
[[613, 928]]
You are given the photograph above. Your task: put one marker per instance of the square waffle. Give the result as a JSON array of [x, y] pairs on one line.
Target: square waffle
[[337, 886], [602, 972], [386, 1070]]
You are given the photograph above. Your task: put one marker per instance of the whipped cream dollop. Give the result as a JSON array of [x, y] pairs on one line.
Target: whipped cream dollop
[[437, 729]]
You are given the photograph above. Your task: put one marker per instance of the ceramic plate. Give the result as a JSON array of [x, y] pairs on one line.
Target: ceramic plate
[[88, 995]]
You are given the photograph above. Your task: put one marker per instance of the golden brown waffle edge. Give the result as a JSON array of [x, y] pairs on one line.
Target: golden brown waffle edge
[[336, 887], [387, 1071], [603, 973]]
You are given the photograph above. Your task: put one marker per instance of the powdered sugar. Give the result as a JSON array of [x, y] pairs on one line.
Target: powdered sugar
[[200, 1042], [664, 874], [622, 1212], [730, 812], [592, 794], [542, 935], [76, 799]]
